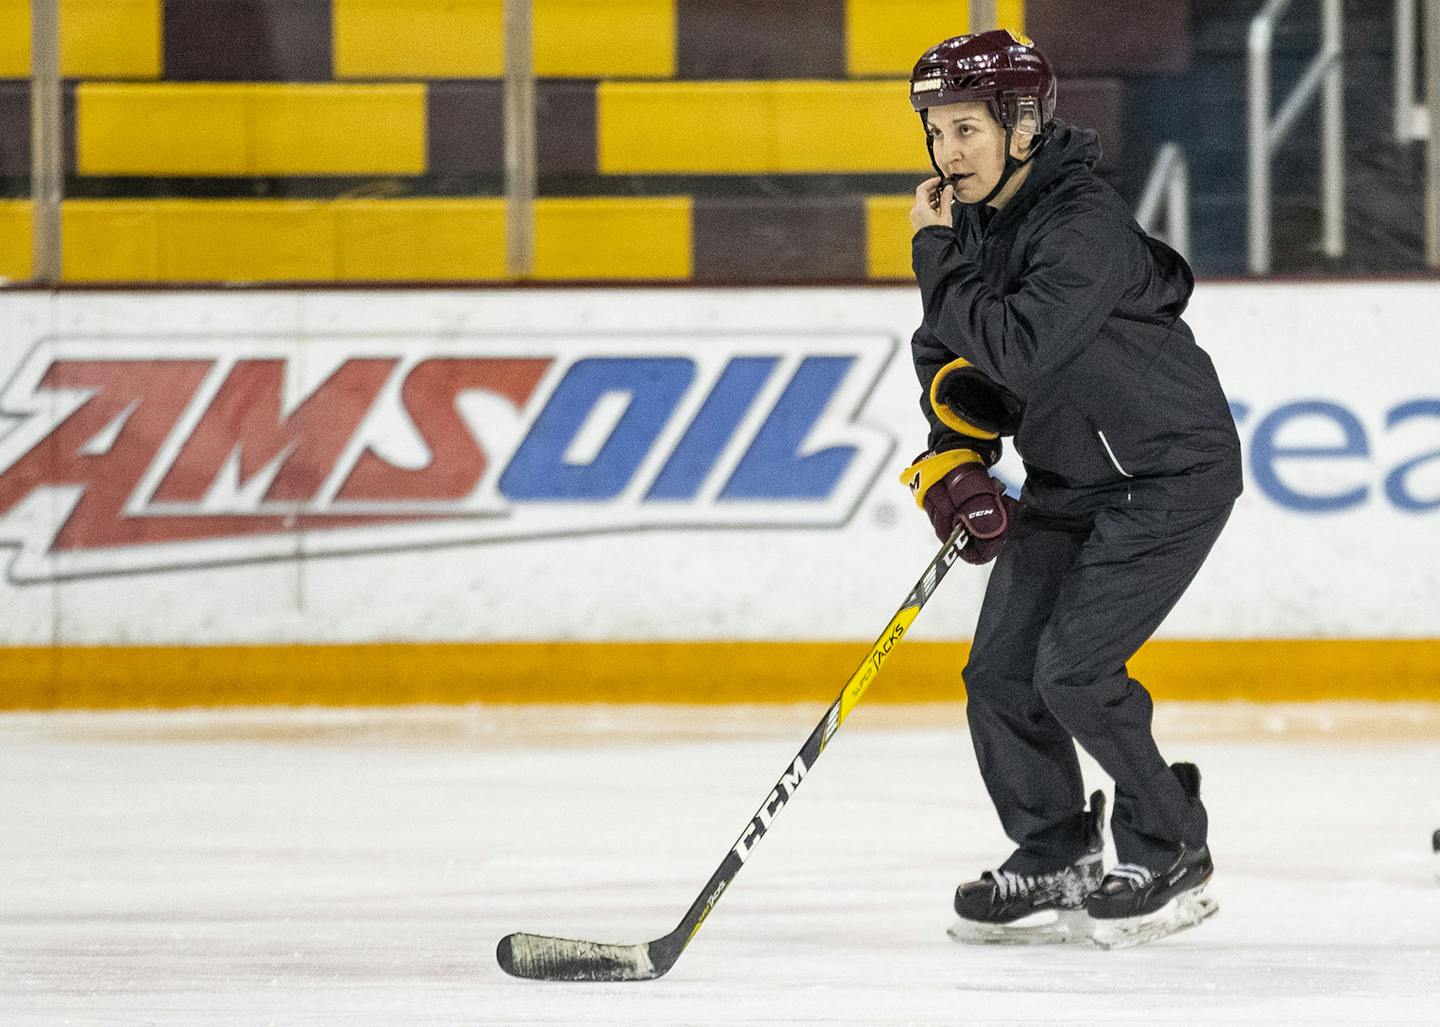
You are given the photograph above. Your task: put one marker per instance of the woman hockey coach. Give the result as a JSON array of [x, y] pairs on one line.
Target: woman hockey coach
[[1051, 316]]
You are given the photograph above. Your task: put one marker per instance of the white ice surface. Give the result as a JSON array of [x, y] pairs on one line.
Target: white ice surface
[[358, 867]]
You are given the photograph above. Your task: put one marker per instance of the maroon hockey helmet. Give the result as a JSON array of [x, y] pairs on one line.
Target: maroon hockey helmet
[[1000, 67]]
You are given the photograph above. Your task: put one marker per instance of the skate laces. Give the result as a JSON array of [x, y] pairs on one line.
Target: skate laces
[[1011, 884], [1133, 873]]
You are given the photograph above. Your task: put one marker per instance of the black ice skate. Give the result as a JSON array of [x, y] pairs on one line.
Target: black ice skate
[[1019, 909], [1135, 904]]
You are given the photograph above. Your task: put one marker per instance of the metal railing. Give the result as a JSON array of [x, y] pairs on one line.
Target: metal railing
[[1412, 120], [518, 102], [1417, 118], [984, 15], [46, 134], [1168, 188], [1325, 75], [1432, 148]]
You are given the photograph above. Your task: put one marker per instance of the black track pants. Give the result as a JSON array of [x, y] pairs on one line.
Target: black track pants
[[1069, 602]]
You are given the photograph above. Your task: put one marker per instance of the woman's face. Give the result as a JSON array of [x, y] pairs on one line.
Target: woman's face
[[969, 146]]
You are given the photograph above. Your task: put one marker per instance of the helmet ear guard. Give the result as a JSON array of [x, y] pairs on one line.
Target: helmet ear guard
[[1020, 113]]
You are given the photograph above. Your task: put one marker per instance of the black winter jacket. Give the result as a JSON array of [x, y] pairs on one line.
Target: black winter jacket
[[1063, 300]]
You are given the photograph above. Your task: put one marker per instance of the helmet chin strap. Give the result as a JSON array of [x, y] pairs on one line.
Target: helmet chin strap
[[1012, 164]]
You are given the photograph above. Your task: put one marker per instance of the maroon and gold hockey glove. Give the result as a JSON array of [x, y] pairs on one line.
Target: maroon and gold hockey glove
[[966, 401], [954, 487]]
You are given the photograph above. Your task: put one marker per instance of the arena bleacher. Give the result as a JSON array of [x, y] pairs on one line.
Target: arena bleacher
[[362, 140]]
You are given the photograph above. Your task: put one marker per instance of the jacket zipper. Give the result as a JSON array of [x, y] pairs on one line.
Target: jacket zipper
[[1111, 454]]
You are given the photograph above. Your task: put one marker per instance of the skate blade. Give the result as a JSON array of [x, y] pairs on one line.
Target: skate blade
[[1179, 914], [1048, 927]]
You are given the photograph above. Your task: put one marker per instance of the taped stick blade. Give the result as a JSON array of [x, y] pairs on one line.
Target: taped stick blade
[[541, 958]]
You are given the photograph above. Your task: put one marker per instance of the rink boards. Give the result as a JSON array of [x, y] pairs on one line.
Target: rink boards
[[644, 494]]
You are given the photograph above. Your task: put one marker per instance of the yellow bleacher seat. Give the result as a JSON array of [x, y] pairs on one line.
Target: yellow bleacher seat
[[613, 237], [885, 37], [464, 38], [610, 39], [111, 241], [757, 128], [397, 240], [250, 129], [17, 240], [246, 240], [14, 38], [417, 38], [887, 236], [98, 38], [198, 240], [358, 240]]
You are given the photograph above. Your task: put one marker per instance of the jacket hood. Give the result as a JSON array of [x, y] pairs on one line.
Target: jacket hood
[[1071, 152], [1067, 150], [1171, 280]]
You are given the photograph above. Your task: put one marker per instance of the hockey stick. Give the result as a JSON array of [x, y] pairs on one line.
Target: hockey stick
[[562, 959]]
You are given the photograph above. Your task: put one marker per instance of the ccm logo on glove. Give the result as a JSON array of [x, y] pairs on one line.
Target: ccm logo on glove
[[953, 488]]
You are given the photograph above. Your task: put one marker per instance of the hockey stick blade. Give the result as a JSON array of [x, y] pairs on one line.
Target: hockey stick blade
[[539, 957]]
